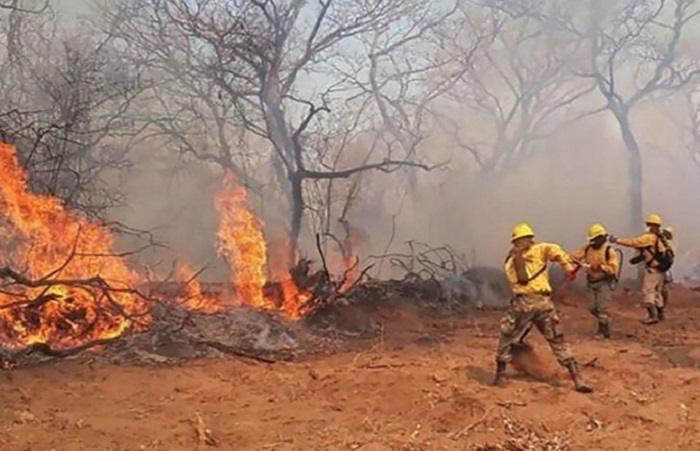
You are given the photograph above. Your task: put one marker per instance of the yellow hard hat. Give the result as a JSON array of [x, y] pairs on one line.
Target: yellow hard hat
[[595, 231], [653, 219], [520, 231]]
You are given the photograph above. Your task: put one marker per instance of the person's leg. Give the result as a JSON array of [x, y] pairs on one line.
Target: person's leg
[[664, 296], [509, 329], [593, 306], [547, 323], [651, 295], [603, 300]]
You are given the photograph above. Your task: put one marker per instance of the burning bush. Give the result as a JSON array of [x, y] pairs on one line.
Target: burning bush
[[63, 284], [71, 287]]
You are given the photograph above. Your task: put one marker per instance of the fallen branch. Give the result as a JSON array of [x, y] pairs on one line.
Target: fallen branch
[[237, 352], [591, 363], [204, 435], [47, 350], [467, 429]]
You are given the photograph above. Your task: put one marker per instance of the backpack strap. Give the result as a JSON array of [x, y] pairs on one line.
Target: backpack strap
[[607, 252], [535, 275]]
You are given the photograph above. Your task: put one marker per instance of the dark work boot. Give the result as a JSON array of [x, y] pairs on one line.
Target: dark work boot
[[579, 385], [661, 314], [653, 317], [500, 374], [600, 334], [606, 330]]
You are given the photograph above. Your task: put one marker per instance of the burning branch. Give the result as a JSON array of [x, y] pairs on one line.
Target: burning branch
[[326, 290]]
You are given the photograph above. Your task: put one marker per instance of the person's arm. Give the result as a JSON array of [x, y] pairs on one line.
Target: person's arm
[[555, 253], [579, 255], [637, 242]]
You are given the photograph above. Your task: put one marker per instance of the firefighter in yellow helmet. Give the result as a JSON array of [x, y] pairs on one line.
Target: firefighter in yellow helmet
[[668, 278], [602, 265], [657, 255], [526, 270]]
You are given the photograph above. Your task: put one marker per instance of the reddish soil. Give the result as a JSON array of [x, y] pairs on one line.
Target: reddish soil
[[423, 386]]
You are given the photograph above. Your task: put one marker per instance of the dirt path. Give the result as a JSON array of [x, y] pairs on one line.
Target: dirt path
[[423, 386]]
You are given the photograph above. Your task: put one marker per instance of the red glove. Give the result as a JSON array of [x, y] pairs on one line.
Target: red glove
[[572, 274]]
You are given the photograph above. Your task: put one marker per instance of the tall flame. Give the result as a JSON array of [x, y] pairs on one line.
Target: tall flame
[[65, 286], [47, 244], [242, 242]]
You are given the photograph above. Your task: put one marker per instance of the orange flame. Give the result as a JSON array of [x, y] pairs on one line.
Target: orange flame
[[46, 243], [66, 260], [242, 243], [194, 296]]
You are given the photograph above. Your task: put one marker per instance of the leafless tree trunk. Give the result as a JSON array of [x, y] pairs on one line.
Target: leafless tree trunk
[[641, 36], [252, 55]]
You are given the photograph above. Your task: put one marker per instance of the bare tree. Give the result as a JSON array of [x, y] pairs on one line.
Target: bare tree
[[637, 37], [66, 100], [522, 90], [407, 72], [262, 60], [20, 7], [692, 126]]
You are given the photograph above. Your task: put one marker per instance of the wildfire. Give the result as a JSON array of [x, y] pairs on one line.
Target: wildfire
[[66, 260], [62, 283], [194, 296], [242, 243]]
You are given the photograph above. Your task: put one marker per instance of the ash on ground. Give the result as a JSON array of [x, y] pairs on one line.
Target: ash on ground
[[176, 335]]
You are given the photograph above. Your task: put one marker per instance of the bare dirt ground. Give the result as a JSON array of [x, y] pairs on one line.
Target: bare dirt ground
[[423, 385]]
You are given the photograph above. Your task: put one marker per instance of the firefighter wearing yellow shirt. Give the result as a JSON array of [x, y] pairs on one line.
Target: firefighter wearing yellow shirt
[[602, 267], [526, 270], [652, 247]]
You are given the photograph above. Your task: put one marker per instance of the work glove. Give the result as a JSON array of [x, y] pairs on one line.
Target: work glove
[[612, 239], [571, 275]]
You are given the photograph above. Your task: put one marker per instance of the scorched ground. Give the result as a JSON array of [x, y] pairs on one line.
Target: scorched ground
[[421, 385]]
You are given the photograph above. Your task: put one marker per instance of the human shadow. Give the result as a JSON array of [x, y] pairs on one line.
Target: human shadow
[[527, 366]]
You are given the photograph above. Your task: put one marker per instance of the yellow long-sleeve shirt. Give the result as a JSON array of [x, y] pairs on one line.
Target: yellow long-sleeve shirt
[[599, 267], [646, 244], [536, 260]]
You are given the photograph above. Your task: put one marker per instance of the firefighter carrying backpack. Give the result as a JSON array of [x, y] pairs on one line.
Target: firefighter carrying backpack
[[615, 277]]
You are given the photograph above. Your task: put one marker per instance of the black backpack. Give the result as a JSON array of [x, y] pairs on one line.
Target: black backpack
[[663, 258]]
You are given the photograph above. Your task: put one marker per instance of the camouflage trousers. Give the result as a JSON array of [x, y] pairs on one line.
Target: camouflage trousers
[[652, 284], [538, 310], [600, 295], [664, 287]]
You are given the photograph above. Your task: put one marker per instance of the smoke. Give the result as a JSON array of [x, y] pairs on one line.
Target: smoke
[[576, 175]]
